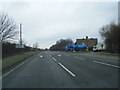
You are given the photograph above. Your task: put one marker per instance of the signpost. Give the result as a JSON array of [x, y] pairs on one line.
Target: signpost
[[19, 46]]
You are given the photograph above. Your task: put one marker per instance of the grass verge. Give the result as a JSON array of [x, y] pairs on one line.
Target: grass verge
[[9, 61]]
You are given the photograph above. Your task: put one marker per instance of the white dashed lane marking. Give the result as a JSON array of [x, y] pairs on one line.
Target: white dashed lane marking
[[95, 61], [63, 66], [41, 56], [59, 55], [54, 59], [80, 58], [106, 64], [67, 70]]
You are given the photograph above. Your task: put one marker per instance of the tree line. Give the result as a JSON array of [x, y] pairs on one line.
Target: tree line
[[7, 28], [8, 34], [61, 44], [111, 36]]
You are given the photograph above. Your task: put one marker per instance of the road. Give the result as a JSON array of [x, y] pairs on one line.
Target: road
[[55, 69]]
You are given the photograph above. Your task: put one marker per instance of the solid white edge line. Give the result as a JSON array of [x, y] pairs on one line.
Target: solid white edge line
[[17, 67], [14, 68], [67, 70], [107, 64]]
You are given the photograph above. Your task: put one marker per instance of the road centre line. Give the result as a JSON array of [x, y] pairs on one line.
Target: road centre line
[[54, 59], [64, 67], [106, 64], [67, 70]]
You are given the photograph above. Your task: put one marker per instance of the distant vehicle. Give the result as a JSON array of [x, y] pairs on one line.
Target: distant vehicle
[[80, 47], [75, 47], [98, 48], [70, 47]]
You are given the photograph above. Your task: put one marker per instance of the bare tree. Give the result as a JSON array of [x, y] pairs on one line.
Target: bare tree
[[35, 45], [61, 44], [7, 28], [111, 34]]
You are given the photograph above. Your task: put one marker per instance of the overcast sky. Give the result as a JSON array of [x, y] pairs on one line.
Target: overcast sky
[[47, 22]]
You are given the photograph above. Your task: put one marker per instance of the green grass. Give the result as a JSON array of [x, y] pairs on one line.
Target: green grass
[[6, 62]]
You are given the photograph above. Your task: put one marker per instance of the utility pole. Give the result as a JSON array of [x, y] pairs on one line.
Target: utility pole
[[20, 34], [119, 12]]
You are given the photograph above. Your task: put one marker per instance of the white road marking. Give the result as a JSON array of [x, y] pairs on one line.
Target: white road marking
[[67, 70], [106, 64], [54, 59], [15, 68], [41, 56], [59, 55], [80, 58]]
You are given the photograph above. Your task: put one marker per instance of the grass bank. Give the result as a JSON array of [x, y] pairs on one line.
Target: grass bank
[[9, 61]]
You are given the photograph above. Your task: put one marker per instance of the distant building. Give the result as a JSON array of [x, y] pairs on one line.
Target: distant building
[[90, 42]]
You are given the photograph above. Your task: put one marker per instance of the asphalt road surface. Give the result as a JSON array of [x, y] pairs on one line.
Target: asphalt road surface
[[54, 69]]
